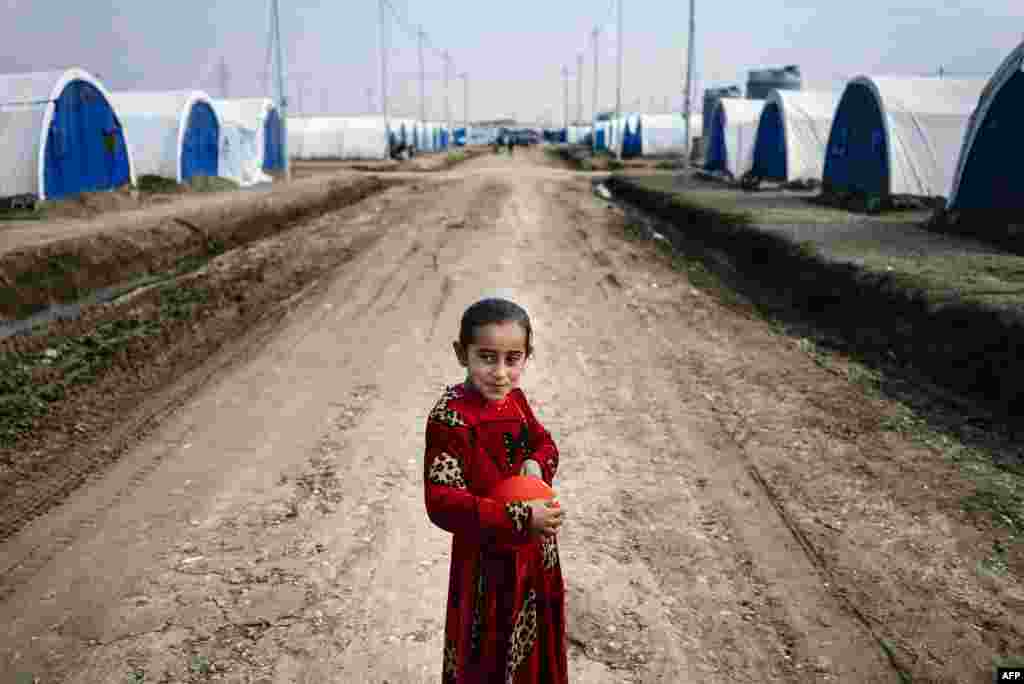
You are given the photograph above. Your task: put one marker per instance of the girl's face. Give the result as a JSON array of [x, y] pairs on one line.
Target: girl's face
[[495, 359]]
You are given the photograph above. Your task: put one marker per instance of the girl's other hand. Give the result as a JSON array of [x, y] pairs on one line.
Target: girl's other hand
[[546, 517], [532, 468]]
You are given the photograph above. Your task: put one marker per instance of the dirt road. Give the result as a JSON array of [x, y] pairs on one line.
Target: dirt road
[[735, 511]]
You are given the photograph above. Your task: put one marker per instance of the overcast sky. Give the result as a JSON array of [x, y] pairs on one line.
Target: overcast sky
[[513, 52]]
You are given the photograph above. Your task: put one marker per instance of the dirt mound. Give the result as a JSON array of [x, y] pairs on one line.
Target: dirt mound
[[68, 270]]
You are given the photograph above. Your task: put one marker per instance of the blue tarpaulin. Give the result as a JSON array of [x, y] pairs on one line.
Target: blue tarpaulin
[[86, 150]]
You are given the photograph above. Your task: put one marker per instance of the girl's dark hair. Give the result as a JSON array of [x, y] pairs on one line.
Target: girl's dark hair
[[494, 310]]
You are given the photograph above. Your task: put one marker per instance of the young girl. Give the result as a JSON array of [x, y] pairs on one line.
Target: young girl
[[505, 620]]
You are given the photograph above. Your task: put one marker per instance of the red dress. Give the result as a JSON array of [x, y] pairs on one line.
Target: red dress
[[505, 620]]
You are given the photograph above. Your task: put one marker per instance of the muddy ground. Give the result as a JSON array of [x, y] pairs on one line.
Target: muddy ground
[[230, 490]]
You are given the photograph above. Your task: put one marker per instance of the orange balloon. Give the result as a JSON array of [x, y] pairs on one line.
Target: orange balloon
[[522, 488]]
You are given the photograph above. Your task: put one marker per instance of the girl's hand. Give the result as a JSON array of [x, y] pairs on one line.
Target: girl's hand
[[531, 468], [546, 517]]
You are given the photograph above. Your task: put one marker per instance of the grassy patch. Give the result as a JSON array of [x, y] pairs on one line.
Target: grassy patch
[[54, 274], [456, 156], [201, 665], [1008, 661], [30, 382], [212, 184], [158, 185], [22, 214]]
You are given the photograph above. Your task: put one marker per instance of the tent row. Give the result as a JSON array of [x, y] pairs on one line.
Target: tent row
[[884, 136], [645, 135], [63, 133], [322, 137]]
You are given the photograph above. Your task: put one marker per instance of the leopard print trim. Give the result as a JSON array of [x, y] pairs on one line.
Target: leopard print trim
[[519, 512], [445, 415], [446, 470], [450, 670], [519, 444], [477, 628], [524, 636], [549, 550]]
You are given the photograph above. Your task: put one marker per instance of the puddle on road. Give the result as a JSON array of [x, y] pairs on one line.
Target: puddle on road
[[73, 310]]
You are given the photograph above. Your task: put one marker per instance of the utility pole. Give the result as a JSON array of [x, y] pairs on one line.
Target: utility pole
[[579, 89], [593, 113], [447, 103], [465, 102], [565, 99], [618, 94], [384, 65], [225, 77], [423, 79], [688, 95], [282, 102]]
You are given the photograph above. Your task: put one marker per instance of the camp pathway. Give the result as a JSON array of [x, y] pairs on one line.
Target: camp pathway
[[280, 533]]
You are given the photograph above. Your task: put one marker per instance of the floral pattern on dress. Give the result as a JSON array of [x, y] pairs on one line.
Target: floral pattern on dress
[[446, 470], [519, 512], [444, 414], [524, 636]]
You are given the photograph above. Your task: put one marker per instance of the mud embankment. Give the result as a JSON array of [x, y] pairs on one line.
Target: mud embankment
[[970, 349], [68, 270]]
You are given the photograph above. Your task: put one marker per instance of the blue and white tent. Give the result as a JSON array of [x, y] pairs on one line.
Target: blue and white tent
[[730, 147], [988, 172], [60, 135], [899, 135], [792, 135], [172, 134], [252, 138]]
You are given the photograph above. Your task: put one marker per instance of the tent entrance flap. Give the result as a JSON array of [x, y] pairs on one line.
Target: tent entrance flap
[[716, 154], [858, 150], [85, 149], [200, 148], [770, 147], [273, 154], [991, 176]]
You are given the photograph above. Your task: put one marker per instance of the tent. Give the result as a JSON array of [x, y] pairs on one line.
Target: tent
[[335, 137], [601, 136], [899, 136], [731, 138], [661, 134], [632, 145], [987, 176], [171, 134], [792, 134], [60, 135], [577, 134], [254, 126]]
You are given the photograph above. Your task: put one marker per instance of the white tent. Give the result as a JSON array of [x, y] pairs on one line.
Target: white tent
[[316, 137], [336, 137], [792, 134], [732, 135], [365, 138], [50, 152], [171, 134], [987, 171], [244, 126], [577, 134], [899, 135], [665, 134]]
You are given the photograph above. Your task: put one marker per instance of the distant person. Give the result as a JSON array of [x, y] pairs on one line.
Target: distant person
[[511, 143], [505, 617]]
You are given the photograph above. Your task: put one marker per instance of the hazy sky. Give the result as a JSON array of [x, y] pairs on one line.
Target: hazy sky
[[513, 51]]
